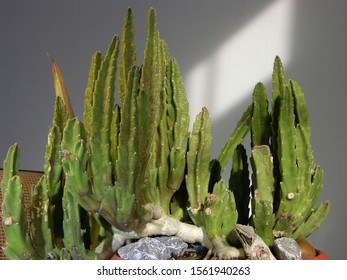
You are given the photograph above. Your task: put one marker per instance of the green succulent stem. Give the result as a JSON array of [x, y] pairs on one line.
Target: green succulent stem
[[263, 188], [236, 138], [18, 243], [198, 159]]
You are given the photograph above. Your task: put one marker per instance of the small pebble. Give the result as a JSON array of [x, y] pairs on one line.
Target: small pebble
[[175, 244], [145, 249], [287, 249]]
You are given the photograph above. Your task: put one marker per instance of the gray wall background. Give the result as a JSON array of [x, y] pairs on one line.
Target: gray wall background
[[71, 31]]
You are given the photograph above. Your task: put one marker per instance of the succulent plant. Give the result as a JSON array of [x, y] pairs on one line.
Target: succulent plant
[[286, 181], [133, 169]]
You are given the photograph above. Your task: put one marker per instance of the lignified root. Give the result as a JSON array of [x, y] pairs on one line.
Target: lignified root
[[223, 250], [166, 225]]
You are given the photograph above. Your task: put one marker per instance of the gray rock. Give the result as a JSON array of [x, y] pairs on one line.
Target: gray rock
[[145, 249], [175, 244], [287, 249]]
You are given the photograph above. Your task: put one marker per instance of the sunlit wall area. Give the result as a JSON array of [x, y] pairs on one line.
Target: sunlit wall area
[[225, 78]]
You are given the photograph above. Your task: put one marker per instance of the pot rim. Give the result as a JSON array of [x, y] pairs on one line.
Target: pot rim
[[320, 255]]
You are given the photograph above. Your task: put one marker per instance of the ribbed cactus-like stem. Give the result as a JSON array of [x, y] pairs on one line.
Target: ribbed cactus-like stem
[[263, 187], [278, 87], [73, 232], [127, 55], [308, 186], [150, 108], [54, 178], [18, 243], [260, 122], [236, 138], [174, 126], [215, 211], [114, 139], [263, 182], [127, 164], [198, 159], [313, 222], [40, 221], [11, 166], [287, 160], [153, 71], [74, 160], [100, 123], [88, 98], [220, 215], [53, 166]]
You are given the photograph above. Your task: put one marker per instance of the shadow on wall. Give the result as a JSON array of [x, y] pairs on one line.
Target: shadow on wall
[[223, 79]]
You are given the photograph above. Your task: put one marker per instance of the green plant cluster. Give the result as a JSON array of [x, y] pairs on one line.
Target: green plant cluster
[[134, 168]]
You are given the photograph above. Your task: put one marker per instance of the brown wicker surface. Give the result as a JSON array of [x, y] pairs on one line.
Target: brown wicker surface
[[28, 178]]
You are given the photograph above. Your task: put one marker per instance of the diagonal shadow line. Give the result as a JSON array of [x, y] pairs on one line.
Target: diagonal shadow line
[[223, 124]]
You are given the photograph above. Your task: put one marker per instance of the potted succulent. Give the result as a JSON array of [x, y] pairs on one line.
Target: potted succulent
[[133, 170]]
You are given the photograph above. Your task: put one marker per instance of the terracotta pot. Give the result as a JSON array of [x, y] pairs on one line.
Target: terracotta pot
[[319, 256], [309, 252], [115, 257]]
